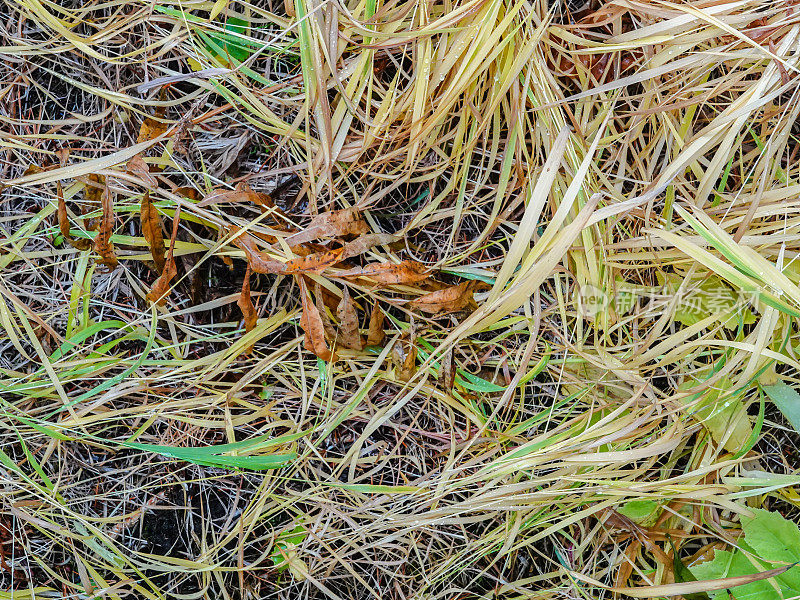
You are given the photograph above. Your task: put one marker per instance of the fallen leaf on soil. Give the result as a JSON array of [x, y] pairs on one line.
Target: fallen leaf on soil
[[365, 242], [63, 222], [404, 357], [319, 302], [256, 259], [187, 192], [349, 333], [245, 303], [63, 156], [93, 196], [151, 128], [337, 223], [447, 374], [161, 287], [311, 323], [34, 169], [451, 299], [136, 166], [242, 193], [315, 263], [152, 230], [407, 271], [376, 333], [102, 243]]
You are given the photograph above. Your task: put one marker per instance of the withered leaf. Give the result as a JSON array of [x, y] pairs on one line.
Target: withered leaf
[[138, 167], [450, 299], [447, 374], [152, 230], [242, 193], [34, 169], [162, 285], [376, 333], [63, 222], [319, 301], [255, 258], [315, 263], [63, 156], [246, 305], [338, 223], [93, 195], [152, 128], [404, 357], [407, 271], [365, 242], [102, 243], [311, 323], [349, 333], [187, 192]]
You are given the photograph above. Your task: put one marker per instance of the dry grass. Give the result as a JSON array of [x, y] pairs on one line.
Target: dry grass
[[642, 155]]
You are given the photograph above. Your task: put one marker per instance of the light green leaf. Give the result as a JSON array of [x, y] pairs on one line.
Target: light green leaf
[[787, 400], [730, 564], [775, 539]]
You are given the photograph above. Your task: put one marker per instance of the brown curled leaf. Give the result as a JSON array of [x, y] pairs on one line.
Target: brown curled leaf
[[407, 271], [338, 223], [447, 374], [312, 325], [319, 302], [315, 263], [448, 300], [376, 333], [187, 192], [257, 260], [63, 156], [366, 242], [152, 230], [404, 358], [242, 193], [102, 243], [349, 333], [161, 287], [245, 303], [151, 127], [63, 222], [139, 168], [93, 197]]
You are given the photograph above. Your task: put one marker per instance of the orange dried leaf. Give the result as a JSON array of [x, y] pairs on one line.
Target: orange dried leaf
[[451, 299], [93, 196], [315, 263], [33, 170], [376, 333], [365, 242], [337, 223], [63, 156], [151, 129], [319, 301], [162, 285], [311, 323], [256, 259], [138, 167], [102, 243], [404, 357], [246, 305], [152, 230], [407, 271], [187, 192], [447, 374], [240, 194], [349, 333], [63, 222]]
